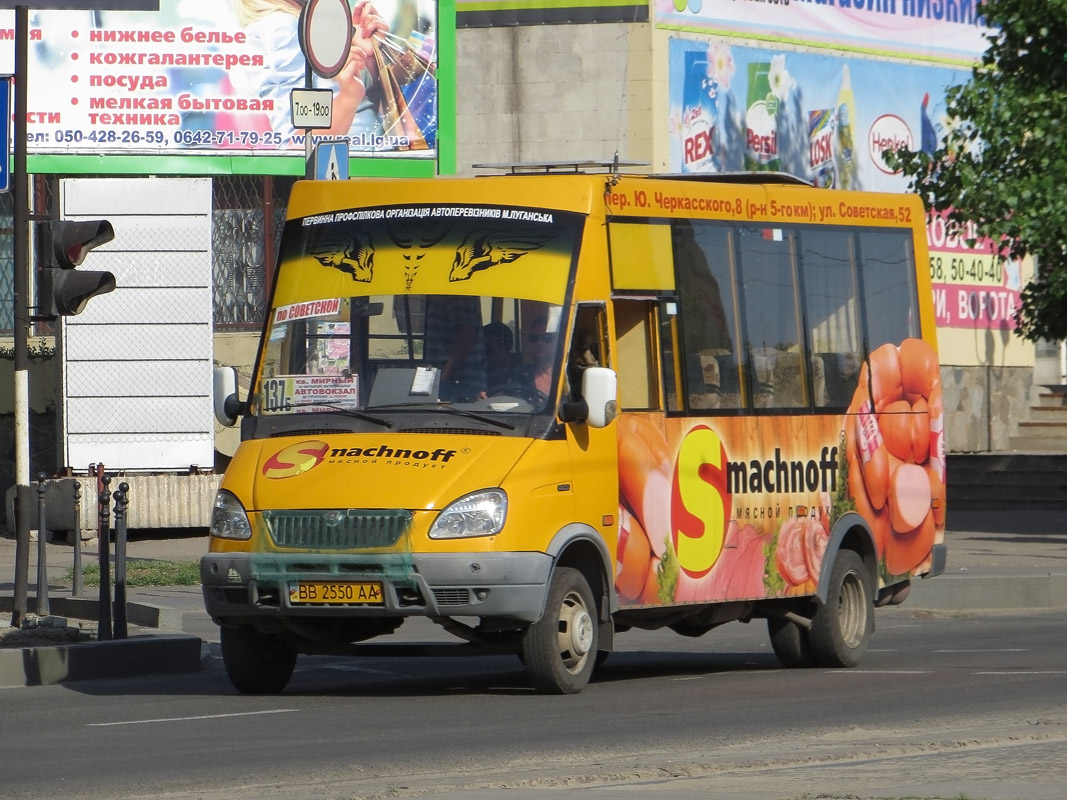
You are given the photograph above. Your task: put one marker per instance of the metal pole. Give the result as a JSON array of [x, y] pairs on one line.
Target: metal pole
[[309, 167], [43, 609], [103, 533], [22, 323], [120, 559], [76, 586]]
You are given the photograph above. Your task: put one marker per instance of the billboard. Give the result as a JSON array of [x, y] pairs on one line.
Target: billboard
[[829, 119], [931, 30], [202, 77]]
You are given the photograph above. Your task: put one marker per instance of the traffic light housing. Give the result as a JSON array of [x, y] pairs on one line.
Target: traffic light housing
[[64, 290]]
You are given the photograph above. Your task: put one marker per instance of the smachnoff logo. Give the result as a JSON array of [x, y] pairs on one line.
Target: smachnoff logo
[[295, 459]]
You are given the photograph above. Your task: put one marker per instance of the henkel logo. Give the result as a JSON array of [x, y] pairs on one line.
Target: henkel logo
[[295, 459], [889, 132]]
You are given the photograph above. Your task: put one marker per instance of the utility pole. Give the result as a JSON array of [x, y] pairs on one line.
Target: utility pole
[[22, 323], [21, 221]]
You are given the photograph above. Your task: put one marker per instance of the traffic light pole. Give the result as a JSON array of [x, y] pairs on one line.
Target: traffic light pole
[[21, 187]]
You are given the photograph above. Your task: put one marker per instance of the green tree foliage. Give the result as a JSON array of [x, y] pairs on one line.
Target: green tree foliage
[[1002, 163]]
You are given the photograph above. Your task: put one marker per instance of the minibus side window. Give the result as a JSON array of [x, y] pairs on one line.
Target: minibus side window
[[889, 287], [773, 341], [588, 347], [707, 294], [832, 311]]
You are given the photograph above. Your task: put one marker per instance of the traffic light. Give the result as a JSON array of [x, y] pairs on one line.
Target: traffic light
[[64, 290]]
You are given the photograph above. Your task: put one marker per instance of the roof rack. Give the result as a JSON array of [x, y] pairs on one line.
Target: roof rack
[[556, 167], [735, 177], [613, 166]]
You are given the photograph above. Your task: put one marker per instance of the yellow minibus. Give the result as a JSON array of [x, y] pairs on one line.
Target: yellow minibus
[[543, 408]]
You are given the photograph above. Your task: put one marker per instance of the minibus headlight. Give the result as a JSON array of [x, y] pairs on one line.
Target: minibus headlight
[[477, 514], [228, 519]]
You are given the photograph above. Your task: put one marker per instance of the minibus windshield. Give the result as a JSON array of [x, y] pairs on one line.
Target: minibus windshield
[[418, 307], [392, 352]]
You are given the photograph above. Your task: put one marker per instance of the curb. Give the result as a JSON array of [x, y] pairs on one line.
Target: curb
[[145, 615], [976, 594], [156, 654]]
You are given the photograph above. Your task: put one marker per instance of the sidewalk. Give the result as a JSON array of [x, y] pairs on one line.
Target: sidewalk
[[997, 561]]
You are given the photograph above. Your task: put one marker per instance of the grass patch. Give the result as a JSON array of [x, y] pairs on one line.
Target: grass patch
[[145, 572]]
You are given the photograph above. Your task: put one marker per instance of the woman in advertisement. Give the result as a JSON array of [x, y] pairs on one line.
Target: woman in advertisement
[[375, 91]]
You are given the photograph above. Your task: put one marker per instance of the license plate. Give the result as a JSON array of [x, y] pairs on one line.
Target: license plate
[[333, 592]]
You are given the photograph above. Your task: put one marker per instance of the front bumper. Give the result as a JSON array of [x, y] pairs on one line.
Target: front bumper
[[509, 586]]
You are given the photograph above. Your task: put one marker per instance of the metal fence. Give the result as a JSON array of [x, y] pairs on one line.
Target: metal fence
[[247, 217]]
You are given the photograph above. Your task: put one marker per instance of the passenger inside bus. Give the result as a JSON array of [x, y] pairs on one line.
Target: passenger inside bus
[[502, 364], [455, 345], [542, 349]]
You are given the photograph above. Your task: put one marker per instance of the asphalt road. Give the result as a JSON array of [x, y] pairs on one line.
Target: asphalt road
[[943, 706]]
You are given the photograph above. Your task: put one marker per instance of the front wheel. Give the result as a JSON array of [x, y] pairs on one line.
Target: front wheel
[[256, 662], [560, 649], [841, 629]]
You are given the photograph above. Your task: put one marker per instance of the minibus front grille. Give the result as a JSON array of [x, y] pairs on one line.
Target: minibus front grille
[[337, 529]]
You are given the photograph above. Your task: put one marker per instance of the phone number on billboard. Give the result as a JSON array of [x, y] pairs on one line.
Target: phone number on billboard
[[983, 269], [181, 138]]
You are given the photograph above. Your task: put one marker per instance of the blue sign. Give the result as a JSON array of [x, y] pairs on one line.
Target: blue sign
[[331, 161], [5, 134]]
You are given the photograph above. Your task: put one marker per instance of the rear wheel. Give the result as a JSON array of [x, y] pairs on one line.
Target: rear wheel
[[560, 649], [256, 662], [841, 629], [790, 643]]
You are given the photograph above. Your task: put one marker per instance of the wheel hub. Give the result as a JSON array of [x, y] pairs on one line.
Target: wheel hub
[[581, 633]]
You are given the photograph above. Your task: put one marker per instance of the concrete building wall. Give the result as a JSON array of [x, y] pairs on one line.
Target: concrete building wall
[[554, 93]]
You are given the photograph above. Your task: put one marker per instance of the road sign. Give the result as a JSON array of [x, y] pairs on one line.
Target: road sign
[[311, 108], [331, 161], [325, 35], [5, 134]]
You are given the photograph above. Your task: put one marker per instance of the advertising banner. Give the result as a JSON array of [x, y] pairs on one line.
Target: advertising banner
[[208, 77], [829, 119], [973, 287], [933, 30]]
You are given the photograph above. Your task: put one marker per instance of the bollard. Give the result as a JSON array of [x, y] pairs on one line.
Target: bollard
[[43, 609], [120, 559], [103, 533], [76, 585]]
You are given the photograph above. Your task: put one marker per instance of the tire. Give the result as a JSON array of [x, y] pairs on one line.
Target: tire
[[560, 649], [257, 663], [841, 629], [790, 643]]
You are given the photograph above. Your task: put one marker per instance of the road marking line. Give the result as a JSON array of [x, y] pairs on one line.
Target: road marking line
[[877, 672], [189, 719], [1023, 672], [998, 650]]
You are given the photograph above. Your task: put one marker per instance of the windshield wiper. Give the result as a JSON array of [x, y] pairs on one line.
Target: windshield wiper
[[350, 412], [449, 408]]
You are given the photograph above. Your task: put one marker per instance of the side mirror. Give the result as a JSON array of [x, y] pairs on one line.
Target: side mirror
[[224, 395], [599, 387]]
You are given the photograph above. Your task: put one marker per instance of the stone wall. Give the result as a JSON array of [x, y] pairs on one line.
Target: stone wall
[[983, 406]]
